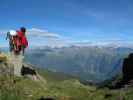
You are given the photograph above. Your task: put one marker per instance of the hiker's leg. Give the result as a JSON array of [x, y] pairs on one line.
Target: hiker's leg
[[11, 46], [23, 49]]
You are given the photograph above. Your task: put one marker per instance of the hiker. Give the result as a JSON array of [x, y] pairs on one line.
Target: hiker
[[11, 35], [17, 40], [22, 43]]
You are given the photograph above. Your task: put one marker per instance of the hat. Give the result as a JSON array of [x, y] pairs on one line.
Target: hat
[[13, 32]]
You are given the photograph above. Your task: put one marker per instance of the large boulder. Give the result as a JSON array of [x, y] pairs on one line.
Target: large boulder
[[126, 79], [127, 68], [10, 64], [6, 68], [17, 62]]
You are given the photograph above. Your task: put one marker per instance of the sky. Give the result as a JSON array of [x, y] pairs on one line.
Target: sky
[[63, 22]]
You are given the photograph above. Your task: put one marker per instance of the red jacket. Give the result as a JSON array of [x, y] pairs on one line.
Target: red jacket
[[23, 39]]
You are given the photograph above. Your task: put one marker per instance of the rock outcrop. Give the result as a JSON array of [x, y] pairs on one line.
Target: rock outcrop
[[128, 68], [127, 74], [13, 65], [17, 62], [6, 69]]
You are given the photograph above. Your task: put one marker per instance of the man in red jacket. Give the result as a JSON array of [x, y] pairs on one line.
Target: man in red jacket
[[22, 42]]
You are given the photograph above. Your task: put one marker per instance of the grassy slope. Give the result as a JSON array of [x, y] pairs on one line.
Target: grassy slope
[[59, 87]]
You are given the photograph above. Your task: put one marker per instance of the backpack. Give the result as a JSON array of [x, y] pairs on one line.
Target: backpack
[[16, 44], [13, 41], [20, 42]]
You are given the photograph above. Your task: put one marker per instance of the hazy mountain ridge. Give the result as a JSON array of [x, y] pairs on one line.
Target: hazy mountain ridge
[[95, 63]]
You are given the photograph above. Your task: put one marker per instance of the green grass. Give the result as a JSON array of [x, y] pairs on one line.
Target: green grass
[[60, 87]]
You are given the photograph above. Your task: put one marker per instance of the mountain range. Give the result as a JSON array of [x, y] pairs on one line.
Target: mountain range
[[90, 63]]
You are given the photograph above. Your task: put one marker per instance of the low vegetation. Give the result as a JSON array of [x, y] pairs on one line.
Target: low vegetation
[[14, 88]]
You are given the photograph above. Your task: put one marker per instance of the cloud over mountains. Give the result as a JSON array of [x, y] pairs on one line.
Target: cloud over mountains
[[40, 37], [43, 33]]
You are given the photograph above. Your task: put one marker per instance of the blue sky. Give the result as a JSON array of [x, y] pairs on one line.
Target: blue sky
[[72, 20]]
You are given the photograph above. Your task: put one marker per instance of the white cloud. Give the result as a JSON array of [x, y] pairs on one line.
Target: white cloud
[[43, 33], [39, 37]]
